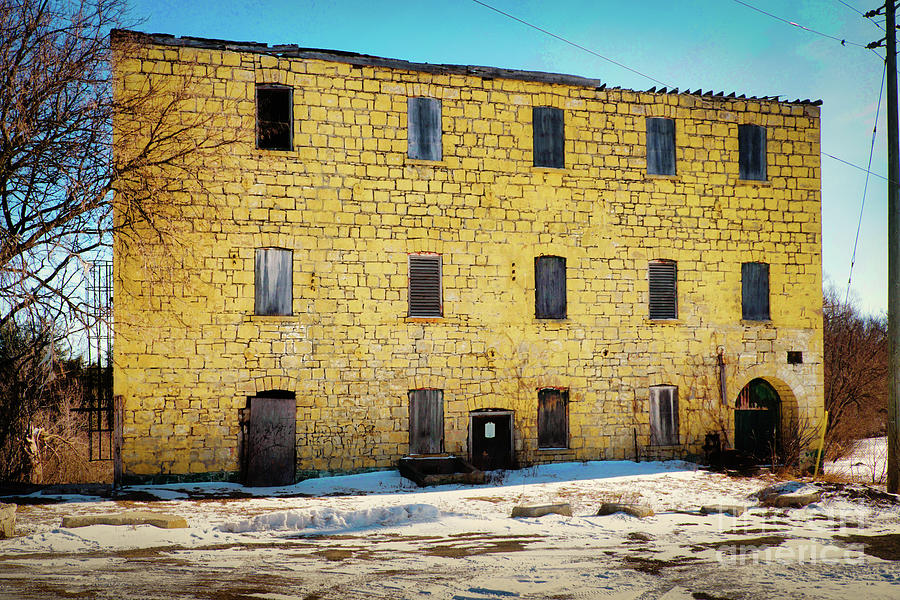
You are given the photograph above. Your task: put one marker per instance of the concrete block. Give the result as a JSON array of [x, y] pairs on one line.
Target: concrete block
[[136, 517], [539, 510], [635, 510]]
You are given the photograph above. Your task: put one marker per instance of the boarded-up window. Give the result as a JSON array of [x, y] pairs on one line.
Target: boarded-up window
[[550, 287], [549, 137], [273, 117], [426, 421], [661, 275], [660, 146], [553, 418], [423, 129], [752, 152], [274, 281], [755, 291], [663, 415], [425, 285]]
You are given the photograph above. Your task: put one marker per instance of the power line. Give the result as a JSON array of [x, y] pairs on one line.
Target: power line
[[798, 25], [850, 164], [866, 186], [571, 43]]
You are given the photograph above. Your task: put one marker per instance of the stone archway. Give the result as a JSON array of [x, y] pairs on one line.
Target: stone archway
[[758, 420]]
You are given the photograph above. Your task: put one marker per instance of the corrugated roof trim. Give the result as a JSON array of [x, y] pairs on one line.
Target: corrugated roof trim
[[362, 60]]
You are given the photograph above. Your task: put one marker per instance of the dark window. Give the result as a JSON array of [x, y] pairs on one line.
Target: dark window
[[549, 137], [752, 152], [426, 421], [424, 128], [755, 291], [660, 146], [274, 281], [425, 285], [662, 275], [663, 415], [553, 418], [273, 117], [795, 357], [550, 287]]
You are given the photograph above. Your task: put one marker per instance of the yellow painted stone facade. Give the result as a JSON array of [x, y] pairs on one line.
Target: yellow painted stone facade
[[351, 206]]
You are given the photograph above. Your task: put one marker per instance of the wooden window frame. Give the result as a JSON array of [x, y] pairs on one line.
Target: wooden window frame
[[548, 137], [661, 146], [671, 435], [542, 441], [287, 124], [415, 288], [755, 287], [542, 297], [752, 153], [421, 145], [266, 288], [662, 290]]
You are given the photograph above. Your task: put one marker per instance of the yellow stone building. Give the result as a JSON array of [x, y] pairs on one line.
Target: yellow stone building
[[389, 258]]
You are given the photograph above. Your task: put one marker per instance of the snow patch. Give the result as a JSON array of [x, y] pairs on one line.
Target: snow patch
[[330, 519]]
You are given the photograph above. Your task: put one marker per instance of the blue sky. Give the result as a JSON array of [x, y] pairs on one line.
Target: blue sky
[[722, 45]]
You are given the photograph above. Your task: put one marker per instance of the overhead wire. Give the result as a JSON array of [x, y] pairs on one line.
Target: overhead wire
[[843, 41], [571, 43], [865, 186]]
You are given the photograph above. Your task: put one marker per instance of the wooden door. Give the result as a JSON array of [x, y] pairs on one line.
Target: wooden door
[[426, 421], [756, 420], [490, 440], [271, 442]]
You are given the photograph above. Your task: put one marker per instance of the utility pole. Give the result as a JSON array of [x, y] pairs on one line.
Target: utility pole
[[890, 42], [890, 46]]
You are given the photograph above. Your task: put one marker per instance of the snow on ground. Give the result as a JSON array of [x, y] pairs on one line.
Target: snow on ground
[[357, 526], [866, 464]]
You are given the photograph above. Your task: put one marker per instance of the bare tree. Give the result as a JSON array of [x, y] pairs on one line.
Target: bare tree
[[61, 169], [856, 371]]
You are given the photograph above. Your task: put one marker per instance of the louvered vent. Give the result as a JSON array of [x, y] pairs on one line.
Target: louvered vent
[[425, 285], [663, 296]]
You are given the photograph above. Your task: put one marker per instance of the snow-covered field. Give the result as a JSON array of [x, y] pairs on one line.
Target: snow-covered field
[[377, 535], [867, 463]]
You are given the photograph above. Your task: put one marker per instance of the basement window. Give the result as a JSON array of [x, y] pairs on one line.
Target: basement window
[[549, 287], [273, 281], [425, 286], [660, 146], [553, 418], [661, 275], [752, 152], [549, 137], [273, 117], [755, 291], [423, 129], [663, 415]]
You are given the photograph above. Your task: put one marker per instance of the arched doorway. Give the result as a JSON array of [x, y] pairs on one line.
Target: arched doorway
[[757, 419]]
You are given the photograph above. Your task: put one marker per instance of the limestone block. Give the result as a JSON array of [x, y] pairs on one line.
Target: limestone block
[[136, 517], [635, 510], [539, 510], [735, 510], [7, 520]]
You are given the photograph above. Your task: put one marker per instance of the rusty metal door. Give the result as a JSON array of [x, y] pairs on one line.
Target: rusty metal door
[[426, 421], [491, 440], [271, 442]]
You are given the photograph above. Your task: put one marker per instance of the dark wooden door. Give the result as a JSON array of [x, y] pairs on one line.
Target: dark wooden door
[[756, 420], [491, 440], [426, 421], [271, 442]]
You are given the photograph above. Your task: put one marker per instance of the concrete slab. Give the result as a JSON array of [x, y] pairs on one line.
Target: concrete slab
[[135, 517], [539, 510], [735, 510], [7, 520], [635, 510]]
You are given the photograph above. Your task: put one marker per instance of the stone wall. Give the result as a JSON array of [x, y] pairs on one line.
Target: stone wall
[[351, 205]]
